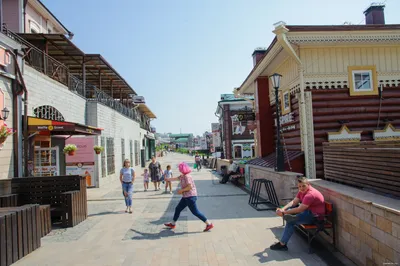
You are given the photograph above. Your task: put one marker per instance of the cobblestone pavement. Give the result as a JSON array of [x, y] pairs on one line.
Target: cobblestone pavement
[[112, 237]]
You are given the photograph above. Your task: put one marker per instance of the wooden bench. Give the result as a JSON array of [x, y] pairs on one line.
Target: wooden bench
[[322, 223], [45, 220], [19, 227], [66, 196]]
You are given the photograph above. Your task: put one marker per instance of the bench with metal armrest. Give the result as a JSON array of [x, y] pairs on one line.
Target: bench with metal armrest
[[322, 224]]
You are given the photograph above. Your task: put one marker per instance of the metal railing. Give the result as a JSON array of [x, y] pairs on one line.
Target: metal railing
[[56, 70]]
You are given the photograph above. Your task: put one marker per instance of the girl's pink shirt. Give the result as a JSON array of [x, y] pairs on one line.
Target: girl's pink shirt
[[186, 180]]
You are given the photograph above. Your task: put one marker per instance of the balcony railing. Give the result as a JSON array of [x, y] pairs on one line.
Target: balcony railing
[[54, 69]]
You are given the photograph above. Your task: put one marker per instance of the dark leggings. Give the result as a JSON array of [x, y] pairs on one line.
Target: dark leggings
[[191, 203]]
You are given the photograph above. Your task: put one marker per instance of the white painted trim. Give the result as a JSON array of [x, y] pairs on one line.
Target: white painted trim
[[243, 141], [241, 151]]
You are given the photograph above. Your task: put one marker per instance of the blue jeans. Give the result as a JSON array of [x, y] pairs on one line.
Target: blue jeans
[[128, 188], [191, 203], [305, 217]]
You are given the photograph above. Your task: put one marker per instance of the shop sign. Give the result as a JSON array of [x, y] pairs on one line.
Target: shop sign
[[288, 118]]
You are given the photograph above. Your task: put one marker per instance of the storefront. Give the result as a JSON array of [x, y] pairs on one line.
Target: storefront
[[47, 139]]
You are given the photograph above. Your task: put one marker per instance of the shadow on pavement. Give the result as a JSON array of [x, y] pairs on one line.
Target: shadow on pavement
[[162, 234], [106, 213]]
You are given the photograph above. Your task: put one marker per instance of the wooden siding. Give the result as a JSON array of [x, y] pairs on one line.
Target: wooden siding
[[359, 114], [335, 60], [369, 165], [292, 137]]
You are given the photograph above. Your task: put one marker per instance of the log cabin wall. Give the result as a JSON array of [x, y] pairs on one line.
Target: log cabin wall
[[332, 108]]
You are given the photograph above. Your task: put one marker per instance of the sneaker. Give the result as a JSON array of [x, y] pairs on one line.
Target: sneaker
[[170, 192], [208, 227], [290, 218], [170, 225], [278, 246]]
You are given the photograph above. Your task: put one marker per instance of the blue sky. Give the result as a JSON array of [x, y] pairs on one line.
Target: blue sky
[[182, 54]]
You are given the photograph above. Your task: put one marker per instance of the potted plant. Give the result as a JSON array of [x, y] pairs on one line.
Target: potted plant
[[5, 132], [70, 149], [98, 149]]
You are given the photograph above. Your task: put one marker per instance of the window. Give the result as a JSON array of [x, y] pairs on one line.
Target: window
[[285, 103], [363, 80], [48, 112], [123, 151], [34, 27], [237, 151], [131, 151], [103, 158], [137, 149], [253, 151], [110, 156]]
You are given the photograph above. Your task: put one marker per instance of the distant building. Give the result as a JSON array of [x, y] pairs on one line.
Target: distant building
[[235, 117], [182, 140]]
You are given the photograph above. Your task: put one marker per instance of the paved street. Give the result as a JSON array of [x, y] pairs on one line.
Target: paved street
[[112, 237]]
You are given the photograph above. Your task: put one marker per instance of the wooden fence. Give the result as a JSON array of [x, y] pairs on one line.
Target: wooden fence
[[371, 165]]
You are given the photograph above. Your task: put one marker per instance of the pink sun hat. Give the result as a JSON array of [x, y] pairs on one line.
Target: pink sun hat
[[184, 168]]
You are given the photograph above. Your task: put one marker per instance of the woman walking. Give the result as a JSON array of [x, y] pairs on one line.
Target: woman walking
[[127, 177], [189, 197], [155, 173]]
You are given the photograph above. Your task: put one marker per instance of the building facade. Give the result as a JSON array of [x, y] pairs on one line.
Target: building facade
[[236, 117], [74, 98]]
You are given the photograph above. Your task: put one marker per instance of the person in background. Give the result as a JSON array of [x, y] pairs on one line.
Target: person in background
[[155, 173], [189, 197], [308, 205], [127, 177], [197, 160], [231, 170], [168, 174], [146, 179]]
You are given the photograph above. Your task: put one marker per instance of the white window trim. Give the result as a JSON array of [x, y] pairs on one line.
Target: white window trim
[[33, 25], [251, 149], [286, 108], [241, 151], [360, 72]]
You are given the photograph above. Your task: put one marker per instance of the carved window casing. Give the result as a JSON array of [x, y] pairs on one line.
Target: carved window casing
[[48, 112]]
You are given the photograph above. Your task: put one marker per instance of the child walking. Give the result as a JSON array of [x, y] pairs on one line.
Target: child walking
[[146, 179], [189, 197], [168, 175]]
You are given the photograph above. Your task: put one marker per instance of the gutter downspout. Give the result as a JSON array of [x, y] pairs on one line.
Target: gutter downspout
[[280, 32], [25, 122], [24, 14]]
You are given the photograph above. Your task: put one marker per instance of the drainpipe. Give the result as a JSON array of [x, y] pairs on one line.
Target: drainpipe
[[25, 122], [280, 32], [24, 14]]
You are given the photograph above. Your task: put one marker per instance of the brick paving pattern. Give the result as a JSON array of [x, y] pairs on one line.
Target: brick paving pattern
[[112, 237]]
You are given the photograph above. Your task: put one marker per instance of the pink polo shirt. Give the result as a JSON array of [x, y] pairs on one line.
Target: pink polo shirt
[[186, 180], [314, 199]]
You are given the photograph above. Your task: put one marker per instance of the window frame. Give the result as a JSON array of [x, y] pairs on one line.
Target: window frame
[[103, 158], [241, 151], [371, 70], [110, 156], [285, 109]]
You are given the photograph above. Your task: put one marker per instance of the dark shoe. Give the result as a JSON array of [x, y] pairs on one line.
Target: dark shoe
[[278, 246], [172, 226], [290, 218], [208, 227]]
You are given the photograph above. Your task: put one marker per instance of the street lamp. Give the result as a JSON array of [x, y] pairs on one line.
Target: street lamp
[[280, 164], [4, 114]]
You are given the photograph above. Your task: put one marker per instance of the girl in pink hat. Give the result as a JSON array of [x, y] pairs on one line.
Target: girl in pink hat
[[189, 197]]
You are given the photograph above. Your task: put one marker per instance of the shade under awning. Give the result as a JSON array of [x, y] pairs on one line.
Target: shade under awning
[[52, 127]]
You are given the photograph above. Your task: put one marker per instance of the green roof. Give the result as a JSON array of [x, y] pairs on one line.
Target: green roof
[[182, 140], [180, 135]]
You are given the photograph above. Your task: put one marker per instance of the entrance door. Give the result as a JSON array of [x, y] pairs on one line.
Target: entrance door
[[46, 162]]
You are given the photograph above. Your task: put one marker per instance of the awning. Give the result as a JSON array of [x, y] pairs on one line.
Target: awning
[[150, 135], [146, 110], [51, 127], [270, 160]]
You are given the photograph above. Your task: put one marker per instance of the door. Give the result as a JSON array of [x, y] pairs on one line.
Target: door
[[46, 162]]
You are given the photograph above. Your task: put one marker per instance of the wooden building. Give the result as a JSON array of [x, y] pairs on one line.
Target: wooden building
[[335, 79]]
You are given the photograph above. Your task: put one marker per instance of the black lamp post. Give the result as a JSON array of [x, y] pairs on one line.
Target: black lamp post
[[280, 164]]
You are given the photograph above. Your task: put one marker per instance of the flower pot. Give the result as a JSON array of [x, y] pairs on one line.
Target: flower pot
[[71, 153], [98, 151], [2, 139]]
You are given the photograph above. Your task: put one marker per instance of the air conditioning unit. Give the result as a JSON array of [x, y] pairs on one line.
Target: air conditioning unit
[[138, 99]]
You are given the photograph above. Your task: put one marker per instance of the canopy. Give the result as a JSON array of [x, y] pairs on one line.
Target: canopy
[[52, 127]]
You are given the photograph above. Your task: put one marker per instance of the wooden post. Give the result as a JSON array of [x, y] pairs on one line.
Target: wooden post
[[112, 90], [45, 54], [120, 94], [100, 79]]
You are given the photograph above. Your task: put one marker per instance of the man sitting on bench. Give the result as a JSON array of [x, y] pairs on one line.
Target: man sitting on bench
[[231, 171], [312, 204]]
